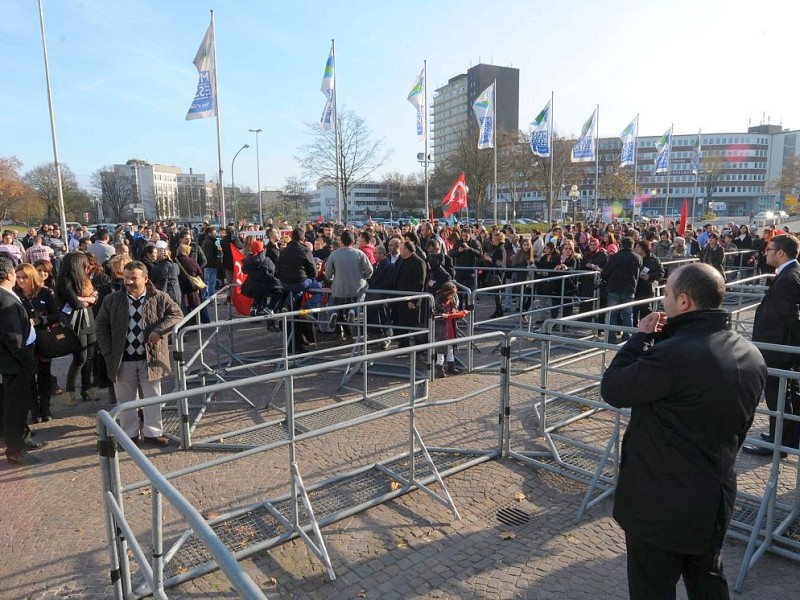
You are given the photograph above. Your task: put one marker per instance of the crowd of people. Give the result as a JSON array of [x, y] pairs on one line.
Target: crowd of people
[[65, 278]]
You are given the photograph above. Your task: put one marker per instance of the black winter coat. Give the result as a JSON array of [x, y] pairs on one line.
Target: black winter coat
[[295, 264], [261, 281], [693, 395], [621, 272]]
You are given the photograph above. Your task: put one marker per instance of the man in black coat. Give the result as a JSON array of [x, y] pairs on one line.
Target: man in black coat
[[383, 276], [16, 365], [777, 321], [411, 272], [693, 386], [621, 275]]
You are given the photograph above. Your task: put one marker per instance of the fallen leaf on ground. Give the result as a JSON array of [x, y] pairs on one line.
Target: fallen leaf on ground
[[507, 535], [519, 496], [395, 485]]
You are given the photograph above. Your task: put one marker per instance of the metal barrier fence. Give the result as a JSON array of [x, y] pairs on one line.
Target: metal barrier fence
[[571, 363], [293, 514], [200, 366]]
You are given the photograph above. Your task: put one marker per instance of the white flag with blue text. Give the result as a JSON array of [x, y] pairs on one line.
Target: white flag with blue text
[[663, 146], [205, 102], [484, 111], [540, 133], [583, 150], [328, 88], [417, 98], [628, 137]]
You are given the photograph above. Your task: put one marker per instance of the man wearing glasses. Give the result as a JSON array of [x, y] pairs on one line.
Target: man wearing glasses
[[777, 321]]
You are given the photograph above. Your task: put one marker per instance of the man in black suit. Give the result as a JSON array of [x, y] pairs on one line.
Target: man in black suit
[[693, 386], [778, 322], [16, 365], [410, 277]]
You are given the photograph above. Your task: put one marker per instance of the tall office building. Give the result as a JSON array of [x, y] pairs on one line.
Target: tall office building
[[452, 116]]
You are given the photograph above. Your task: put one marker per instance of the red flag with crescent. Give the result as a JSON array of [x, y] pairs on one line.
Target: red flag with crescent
[[240, 302], [456, 199]]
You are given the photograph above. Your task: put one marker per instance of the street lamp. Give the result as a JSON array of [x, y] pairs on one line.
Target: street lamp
[[233, 186], [574, 193], [258, 177]]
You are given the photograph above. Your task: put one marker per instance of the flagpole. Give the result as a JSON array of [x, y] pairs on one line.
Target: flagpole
[[56, 163], [425, 125], [696, 180], [596, 157], [552, 156], [635, 163], [494, 143], [669, 166], [336, 138], [220, 183]]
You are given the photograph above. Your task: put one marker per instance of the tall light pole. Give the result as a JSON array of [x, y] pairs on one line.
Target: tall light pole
[[258, 178], [573, 194], [233, 187]]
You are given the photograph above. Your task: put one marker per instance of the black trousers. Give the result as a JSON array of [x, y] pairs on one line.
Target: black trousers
[[653, 573], [791, 429], [16, 404]]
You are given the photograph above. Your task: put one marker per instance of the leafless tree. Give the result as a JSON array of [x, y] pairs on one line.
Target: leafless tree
[[360, 154], [404, 194], [115, 190], [43, 181]]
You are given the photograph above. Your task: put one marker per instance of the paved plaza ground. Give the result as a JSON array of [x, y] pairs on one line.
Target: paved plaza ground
[[54, 541]]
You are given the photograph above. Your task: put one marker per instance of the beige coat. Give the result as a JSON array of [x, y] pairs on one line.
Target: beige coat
[[160, 313]]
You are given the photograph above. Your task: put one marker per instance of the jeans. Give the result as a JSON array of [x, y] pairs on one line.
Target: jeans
[[210, 276], [623, 316]]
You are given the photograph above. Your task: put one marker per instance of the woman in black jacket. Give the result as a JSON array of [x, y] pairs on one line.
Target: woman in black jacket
[[651, 274], [40, 303], [496, 261], [76, 296]]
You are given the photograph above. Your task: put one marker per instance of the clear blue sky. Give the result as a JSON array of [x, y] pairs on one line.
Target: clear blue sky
[[123, 77]]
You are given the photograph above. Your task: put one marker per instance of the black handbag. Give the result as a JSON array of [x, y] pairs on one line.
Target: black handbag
[[56, 340]]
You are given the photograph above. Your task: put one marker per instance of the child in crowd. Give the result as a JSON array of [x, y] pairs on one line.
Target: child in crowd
[[447, 314]]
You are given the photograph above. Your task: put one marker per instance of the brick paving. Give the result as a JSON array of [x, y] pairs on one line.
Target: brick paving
[[411, 547]]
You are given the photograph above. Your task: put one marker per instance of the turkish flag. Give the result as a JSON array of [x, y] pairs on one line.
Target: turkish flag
[[240, 302], [319, 219], [456, 199], [684, 218]]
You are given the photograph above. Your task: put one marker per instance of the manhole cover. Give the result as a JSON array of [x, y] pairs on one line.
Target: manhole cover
[[513, 516]]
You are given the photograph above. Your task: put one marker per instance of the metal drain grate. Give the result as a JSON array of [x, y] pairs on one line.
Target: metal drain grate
[[513, 517]]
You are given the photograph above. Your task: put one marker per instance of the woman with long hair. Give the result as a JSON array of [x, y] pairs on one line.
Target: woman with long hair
[[76, 295], [188, 266], [42, 308]]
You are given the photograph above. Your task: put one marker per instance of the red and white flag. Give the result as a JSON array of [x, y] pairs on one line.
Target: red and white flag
[[456, 199], [240, 302]]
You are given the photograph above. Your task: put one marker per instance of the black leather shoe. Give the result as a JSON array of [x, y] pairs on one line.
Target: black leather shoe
[[759, 451], [34, 445], [161, 441], [22, 458], [766, 437]]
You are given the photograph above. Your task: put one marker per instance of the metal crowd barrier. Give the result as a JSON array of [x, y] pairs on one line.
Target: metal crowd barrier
[[226, 363], [291, 515], [766, 523], [121, 537], [571, 364]]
